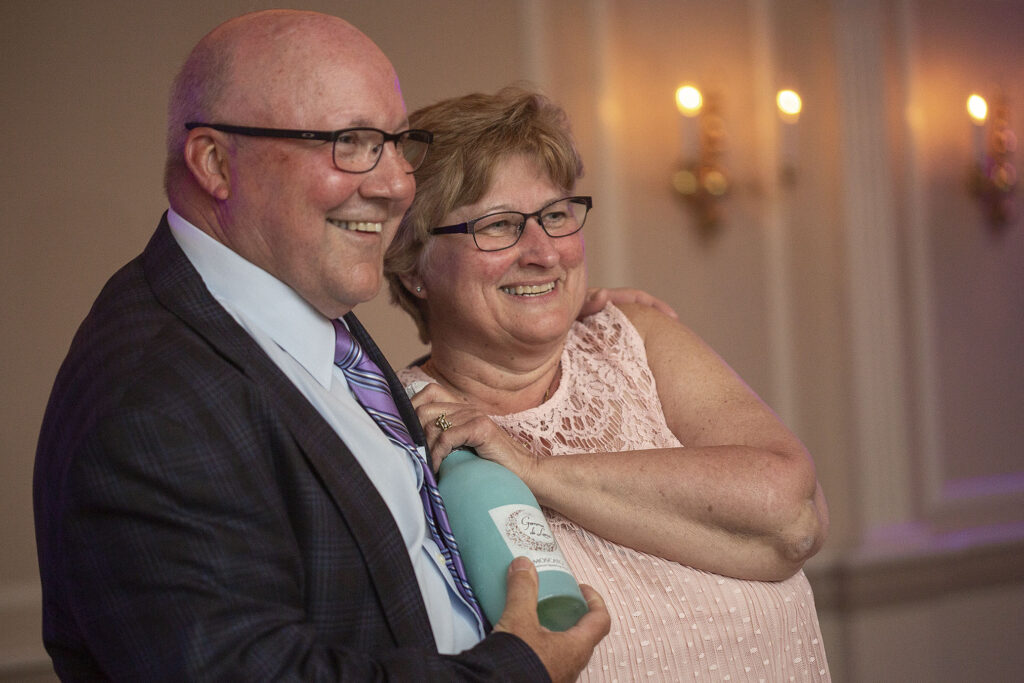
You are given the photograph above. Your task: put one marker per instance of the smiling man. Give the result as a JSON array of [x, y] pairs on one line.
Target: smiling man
[[214, 499]]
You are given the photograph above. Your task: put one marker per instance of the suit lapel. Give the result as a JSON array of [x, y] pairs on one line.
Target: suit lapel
[[179, 287]]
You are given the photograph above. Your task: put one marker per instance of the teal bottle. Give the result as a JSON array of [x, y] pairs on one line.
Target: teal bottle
[[495, 518]]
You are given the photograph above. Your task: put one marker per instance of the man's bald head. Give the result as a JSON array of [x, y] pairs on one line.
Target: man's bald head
[[266, 69], [282, 203]]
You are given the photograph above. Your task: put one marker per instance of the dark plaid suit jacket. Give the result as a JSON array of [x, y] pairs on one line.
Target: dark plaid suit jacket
[[197, 519]]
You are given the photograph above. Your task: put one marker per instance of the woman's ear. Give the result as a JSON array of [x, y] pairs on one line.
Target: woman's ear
[[206, 159], [414, 284]]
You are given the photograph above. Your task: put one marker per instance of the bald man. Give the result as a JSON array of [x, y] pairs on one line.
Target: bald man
[[212, 502]]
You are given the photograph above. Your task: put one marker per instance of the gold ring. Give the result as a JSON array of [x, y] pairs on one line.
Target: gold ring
[[442, 422]]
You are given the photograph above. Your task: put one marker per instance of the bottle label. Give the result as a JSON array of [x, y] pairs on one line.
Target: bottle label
[[526, 532]]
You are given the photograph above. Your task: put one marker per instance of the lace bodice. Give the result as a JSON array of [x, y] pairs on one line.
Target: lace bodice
[[670, 622], [607, 399]]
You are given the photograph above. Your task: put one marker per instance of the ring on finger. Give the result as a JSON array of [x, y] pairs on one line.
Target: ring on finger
[[442, 422]]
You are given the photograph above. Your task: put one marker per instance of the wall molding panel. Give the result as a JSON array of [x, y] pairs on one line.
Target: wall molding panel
[[879, 382]]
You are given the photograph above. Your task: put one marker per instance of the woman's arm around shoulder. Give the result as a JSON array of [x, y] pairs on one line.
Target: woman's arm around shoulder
[[753, 476], [740, 498]]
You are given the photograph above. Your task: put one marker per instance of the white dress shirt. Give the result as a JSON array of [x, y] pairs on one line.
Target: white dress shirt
[[300, 341]]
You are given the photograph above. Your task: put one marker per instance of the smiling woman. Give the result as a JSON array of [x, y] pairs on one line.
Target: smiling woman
[[525, 294], [702, 577]]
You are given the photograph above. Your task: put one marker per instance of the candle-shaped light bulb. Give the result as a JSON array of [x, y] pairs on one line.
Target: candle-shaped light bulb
[[977, 109], [790, 106], [689, 102]]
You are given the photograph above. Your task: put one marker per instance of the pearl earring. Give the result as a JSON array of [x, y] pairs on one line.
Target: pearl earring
[[418, 288]]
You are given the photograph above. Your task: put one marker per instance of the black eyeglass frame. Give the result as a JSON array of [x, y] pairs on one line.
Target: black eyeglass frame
[[326, 136], [468, 226]]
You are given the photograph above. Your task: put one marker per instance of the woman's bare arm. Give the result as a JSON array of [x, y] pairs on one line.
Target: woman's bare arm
[[740, 499]]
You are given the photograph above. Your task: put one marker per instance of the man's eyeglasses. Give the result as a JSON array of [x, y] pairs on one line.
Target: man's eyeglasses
[[497, 231], [355, 150]]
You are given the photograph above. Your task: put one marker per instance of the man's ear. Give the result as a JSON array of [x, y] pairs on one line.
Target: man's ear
[[414, 284], [207, 161]]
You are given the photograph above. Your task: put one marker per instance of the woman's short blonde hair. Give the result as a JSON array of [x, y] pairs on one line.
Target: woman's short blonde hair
[[472, 135]]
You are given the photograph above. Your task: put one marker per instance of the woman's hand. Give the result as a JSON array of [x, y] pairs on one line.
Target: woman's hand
[[466, 425], [598, 298]]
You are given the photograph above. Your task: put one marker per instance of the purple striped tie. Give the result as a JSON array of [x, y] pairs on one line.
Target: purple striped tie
[[371, 390]]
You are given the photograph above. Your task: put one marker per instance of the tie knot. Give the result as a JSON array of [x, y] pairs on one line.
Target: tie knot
[[347, 351]]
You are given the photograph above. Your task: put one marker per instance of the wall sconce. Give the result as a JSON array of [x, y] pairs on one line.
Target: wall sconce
[[789, 105], [700, 179], [992, 178]]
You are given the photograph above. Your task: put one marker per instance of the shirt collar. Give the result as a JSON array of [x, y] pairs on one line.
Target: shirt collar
[[258, 299]]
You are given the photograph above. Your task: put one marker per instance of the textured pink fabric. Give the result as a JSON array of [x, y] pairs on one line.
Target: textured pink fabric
[[670, 622]]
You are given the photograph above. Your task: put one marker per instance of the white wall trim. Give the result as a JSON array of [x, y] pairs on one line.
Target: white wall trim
[[987, 499], [535, 54], [922, 316], [776, 219], [614, 248], [879, 383], [918, 564]]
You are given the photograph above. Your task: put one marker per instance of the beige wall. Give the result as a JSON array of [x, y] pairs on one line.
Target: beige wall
[[869, 303]]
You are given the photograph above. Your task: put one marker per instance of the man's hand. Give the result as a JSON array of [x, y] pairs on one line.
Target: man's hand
[[597, 297], [564, 654]]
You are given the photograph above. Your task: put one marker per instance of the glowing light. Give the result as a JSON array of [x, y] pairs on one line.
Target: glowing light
[[977, 107], [689, 100], [789, 104]]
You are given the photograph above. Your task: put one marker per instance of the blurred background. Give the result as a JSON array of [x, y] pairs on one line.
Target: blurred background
[[860, 262]]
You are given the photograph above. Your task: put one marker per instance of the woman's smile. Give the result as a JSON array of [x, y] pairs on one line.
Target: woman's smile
[[530, 290]]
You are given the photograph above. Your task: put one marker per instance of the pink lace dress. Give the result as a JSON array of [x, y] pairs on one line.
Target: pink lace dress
[[670, 622]]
